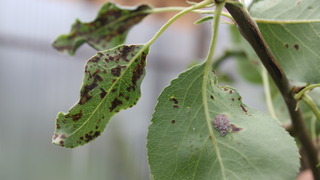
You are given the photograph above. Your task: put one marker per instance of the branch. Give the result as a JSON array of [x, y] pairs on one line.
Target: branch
[[250, 31]]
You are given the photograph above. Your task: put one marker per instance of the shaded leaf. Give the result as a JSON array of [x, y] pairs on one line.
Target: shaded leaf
[[292, 30], [111, 83], [204, 19], [179, 143], [283, 114], [108, 30], [248, 66]]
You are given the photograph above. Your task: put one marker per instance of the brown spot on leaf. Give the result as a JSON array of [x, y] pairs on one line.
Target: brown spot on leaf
[[232, 99], [296, 46], [239, 98], [287, 46], [100, 54], [77, 116], [85, 92], [230, 91], [116, 71], [88, 138], [114, 104], [212, 97], [61, 143], [81, 138], [63, 136], [97, 127], [138, 70], [243, 108], [103, 93], [96, 134], [175, 106], [126, 50], [173, 121], [94, 59], [234, 128], [174, 100]]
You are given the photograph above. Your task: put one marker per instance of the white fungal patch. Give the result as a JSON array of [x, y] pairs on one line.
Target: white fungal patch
[[222, 124]]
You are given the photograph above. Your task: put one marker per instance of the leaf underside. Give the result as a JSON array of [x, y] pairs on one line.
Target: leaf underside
[[179, 144], [292, 30], [108, 30], [248, 66], [111, 83]]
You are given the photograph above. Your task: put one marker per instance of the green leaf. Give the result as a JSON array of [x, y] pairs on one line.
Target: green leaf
[[108, 30], [283, 114], [248, 66], [204, 19], [292, 30], [111, 83], [180, 146]]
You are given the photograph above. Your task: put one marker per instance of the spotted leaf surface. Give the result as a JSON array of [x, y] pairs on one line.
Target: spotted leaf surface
[[292, 30], [249, 144], [111, 83], [108, 30]]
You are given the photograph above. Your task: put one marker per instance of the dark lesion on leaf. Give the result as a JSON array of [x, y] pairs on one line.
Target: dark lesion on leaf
[[222, 124], [103, 93], [90, 136], [61, 143], [173, 121], [85, 92], [296, 46], [114, 104], [126, 50], [243, 108], [234, 128], [77, 116], [174, 100], [138, 69], [116, 71]]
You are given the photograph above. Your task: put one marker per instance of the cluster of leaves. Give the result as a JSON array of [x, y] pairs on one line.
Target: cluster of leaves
[[240, 142]]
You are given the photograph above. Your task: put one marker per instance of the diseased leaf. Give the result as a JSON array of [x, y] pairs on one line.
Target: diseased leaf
[[292, 30], [251, 144], [108, 30], [111, 83]]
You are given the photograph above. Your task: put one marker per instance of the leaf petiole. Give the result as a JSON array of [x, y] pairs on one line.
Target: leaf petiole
[[304, 90], [169, 9], [208, 62], [266, 85], [308, 100]]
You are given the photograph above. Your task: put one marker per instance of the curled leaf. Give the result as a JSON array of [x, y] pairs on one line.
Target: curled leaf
[[111, 83], [108, 30]]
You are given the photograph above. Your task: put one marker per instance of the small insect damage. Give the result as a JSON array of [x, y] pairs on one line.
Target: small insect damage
[[222, 124]]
